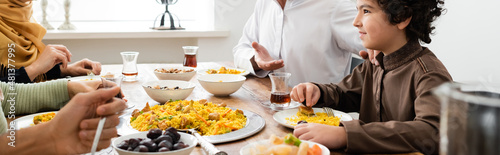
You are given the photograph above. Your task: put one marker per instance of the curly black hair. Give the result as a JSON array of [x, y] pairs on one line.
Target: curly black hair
[[422, 13]]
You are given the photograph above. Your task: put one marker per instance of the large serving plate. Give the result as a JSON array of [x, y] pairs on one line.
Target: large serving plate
[[255, 123], [281, 116], [247, 149], [204, 71], [27, 121]]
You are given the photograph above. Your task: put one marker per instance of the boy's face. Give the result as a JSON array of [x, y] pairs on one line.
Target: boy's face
[[375, 30]]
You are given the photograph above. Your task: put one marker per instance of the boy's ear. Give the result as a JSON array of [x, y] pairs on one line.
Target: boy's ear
[[404, 24]]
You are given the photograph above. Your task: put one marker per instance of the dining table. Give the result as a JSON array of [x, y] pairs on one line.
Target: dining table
[[252, 96]]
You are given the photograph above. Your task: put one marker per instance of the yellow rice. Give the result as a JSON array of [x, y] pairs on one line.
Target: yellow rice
[[42, 118], [223, 70], [320, 118], [171, 118]]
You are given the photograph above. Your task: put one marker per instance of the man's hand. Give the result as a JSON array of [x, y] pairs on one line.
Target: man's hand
[[82, 67], [51, 56], [264, 60], [74, 126], [370, 55]]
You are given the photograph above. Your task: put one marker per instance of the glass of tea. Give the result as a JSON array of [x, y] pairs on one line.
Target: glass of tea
[[129, 65], [280, 92], [190, 55]]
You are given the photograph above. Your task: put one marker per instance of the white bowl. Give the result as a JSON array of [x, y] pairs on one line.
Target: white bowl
[[162, 96], [185, 138], [176, 76], [221, 84]]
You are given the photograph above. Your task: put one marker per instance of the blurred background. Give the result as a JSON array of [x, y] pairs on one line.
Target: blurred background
[[466, 36]]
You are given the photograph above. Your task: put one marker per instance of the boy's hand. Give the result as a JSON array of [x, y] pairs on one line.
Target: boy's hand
[[306, 91], [332, 137]]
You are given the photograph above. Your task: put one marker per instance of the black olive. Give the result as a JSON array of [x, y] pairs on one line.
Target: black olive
[[153, 148], [302, 121], [133, 142], [154, 133], [123, 145], [180, 145], [148, 143], [163, 149], [164, 137], [141, 148], [166, 144]]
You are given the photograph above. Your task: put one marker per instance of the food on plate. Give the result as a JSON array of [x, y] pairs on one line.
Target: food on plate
[[164, 87], [42, 118], [288, 145], [206, 117], [108, 75], [156, 141], [173, 70], [319, 117], [308, 111], [223, 70]]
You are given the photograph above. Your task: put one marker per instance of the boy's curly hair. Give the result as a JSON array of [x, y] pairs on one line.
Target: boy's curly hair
[[422, 13]]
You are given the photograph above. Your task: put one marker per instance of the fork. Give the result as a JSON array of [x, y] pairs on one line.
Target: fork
[[329, 111]]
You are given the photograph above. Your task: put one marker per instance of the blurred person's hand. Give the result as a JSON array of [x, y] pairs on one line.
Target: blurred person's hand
[[50, 57], [264, 60], [370, 55], [81, 68], [75, 87], [74, 127]]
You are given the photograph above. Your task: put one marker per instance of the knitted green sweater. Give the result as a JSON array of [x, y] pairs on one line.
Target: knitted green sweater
[[31, 98]]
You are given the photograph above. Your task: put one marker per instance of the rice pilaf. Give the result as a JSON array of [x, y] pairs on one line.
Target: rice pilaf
[[320, 118], [208, 118]]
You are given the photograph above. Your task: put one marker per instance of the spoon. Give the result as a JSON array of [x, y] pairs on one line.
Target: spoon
[[207, 146]]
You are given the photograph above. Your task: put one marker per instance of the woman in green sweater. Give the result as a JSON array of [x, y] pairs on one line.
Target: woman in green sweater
[[72, 130]]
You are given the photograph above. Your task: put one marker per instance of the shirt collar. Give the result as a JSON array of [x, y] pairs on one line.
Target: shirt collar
[[410, 51]]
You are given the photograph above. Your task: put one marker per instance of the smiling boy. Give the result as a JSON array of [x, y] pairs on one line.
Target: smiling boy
[[398, 113]]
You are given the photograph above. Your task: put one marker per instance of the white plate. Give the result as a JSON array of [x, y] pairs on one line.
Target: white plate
[[27, 121], [85, 78], [281, 116], [204, 71], [255, 123], [246, 150]]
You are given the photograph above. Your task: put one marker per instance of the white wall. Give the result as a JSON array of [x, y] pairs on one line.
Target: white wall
[[467, 39]]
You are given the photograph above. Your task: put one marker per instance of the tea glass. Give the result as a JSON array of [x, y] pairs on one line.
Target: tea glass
[[470, 118], [280, 92], [129, 65], [190, 55]]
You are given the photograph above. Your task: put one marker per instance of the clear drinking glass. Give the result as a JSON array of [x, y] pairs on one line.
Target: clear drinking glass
[[470, 118], [190, 55], [129, 65], [280, 92]]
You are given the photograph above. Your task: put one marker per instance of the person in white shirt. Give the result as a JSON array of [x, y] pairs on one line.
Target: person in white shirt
[[311, 39]]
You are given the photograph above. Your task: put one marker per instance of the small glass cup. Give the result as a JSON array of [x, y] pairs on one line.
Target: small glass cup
[[190, 55], [129, 65], [280, 92]]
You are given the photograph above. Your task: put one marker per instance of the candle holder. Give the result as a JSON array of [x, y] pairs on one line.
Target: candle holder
[[44, 22], [67, 25], [161, 17]]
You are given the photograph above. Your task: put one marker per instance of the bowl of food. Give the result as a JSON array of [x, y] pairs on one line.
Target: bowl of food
[[175, 73], [164, 90], [284, 145], [221, 84], [155, 142]]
